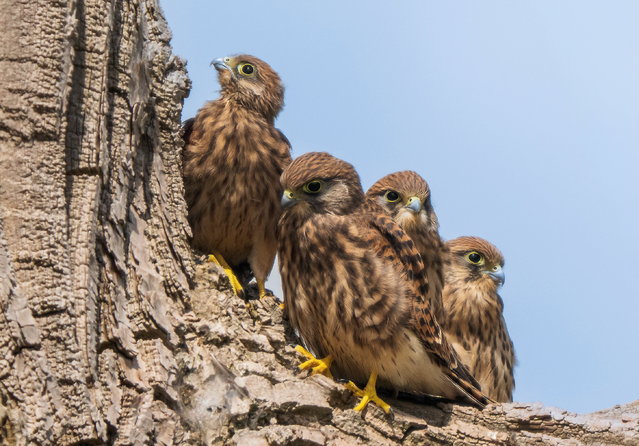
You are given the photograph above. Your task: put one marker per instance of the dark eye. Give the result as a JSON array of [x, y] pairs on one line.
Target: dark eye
[[313, 187], [475, 258], [246, 68], [391, 196]]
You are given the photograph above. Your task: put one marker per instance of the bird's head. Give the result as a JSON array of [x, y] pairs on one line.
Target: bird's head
[[405, 196], [319, 183], [250, 82], [474, 259]]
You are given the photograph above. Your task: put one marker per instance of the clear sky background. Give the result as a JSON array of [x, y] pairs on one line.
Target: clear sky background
[[522, 116]]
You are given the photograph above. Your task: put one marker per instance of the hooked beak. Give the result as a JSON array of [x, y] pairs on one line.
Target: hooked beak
[[414, 204], [498, 276], [288, 199], [220, 64]]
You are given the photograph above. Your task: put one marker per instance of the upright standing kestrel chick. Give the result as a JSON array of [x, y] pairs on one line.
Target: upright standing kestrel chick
[[406, 197], [474, 321], [354, 287], [233, 160]]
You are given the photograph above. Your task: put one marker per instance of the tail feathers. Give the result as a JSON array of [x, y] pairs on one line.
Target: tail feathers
[[470, 388]]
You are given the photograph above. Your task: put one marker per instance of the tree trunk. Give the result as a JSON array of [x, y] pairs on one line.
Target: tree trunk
[[110, 332], [94, 257]]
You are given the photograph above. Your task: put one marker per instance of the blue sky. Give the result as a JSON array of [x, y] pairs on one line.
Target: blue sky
[[522, 116]]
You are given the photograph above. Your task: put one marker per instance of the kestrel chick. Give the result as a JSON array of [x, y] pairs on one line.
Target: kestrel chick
[[233, 159], [474, 320], [406, 198], [355, 287]]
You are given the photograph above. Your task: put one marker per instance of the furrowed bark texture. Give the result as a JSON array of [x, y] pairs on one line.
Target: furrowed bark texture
[[110, 332], [93, 238]]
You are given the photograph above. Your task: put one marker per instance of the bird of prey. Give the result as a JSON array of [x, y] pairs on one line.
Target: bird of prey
[[406, 198], [233, 159], [355, 288], [474, 321]]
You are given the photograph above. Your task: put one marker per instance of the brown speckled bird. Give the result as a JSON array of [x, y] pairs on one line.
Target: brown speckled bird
[[355, 288], [233, 159], [406, 198], [474, 321]]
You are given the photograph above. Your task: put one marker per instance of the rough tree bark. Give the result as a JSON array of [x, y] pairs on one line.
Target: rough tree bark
[[110, 332]]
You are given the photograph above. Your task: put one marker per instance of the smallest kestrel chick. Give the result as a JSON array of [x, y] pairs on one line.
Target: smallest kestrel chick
[[406, 197], [474, 321]]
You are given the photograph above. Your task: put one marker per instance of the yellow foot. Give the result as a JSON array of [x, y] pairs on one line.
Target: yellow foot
[[321, 366], [237, 287], [263, 293], [261, 289], [368, 394]]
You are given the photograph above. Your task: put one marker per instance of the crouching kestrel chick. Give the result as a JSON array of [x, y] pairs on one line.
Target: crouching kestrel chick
[[406, 198], [355, 288], [233, 159], [474, 321]]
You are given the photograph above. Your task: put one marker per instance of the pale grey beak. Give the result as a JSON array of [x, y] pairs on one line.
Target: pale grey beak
[[498, 275], [220, 64], [414, 204], [288, 199]]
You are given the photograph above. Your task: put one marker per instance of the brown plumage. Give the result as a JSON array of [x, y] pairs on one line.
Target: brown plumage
[[406, 198], [474, 320], [233, 159], [355, 286]]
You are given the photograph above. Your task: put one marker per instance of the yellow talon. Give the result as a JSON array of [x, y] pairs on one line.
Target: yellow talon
[[321, 366], [282, 306], [261, 289], [368, 394], [235, 284]]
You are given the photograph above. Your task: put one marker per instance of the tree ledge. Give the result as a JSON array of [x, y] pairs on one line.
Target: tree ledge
[[239, 383]]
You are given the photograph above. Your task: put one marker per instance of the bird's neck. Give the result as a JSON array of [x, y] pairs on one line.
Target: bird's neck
[[263, 105], [468, 303]]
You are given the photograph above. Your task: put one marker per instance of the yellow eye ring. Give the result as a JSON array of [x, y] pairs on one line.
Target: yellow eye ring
[[246, 69], [475, 258], [392, 196], [313, 187]]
